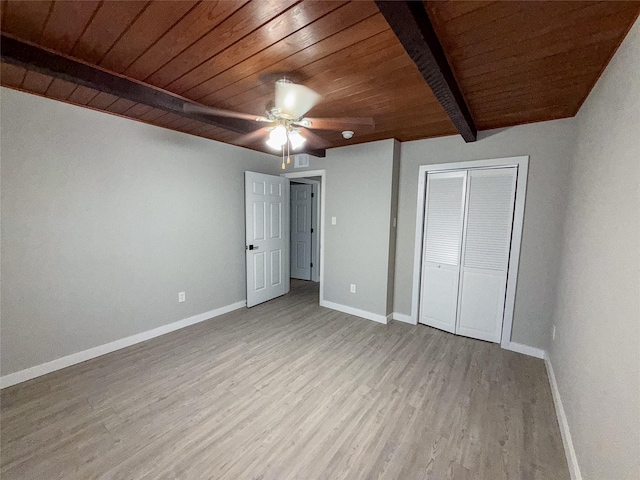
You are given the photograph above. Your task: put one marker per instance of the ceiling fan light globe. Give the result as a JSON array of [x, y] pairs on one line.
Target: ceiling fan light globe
[[278, 135], [272, 144], [296, 139]]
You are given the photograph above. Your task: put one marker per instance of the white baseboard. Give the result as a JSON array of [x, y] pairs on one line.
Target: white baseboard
[[570, 453], [355, 311], [569, 450], [60, 363], [526, 349], [401, 317]]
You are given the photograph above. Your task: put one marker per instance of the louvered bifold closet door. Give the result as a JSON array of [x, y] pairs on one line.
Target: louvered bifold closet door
[[485, 252], [444, 217]]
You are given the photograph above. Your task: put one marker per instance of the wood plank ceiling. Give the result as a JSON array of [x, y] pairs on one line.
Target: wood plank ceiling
[[515, 62], [523, 62]]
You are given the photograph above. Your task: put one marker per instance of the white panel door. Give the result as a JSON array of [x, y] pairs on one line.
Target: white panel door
[[485, 257], [444, 217], [267, 236], [300, 247]]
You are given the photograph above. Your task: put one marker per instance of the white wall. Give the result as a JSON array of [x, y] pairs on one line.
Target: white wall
[[549, 145], [104, 220], [358, 186], [596, 353]]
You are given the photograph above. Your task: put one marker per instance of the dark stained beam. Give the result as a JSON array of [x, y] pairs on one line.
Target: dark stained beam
[[47, 62], [410, 23], [55, 65]]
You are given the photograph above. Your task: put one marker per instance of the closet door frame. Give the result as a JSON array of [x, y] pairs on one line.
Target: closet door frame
[[522, 164]]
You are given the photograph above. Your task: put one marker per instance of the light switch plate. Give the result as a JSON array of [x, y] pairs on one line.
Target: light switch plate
[[333, 220]]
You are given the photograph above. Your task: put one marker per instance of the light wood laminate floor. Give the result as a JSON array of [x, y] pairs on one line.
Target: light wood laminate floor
[[288, 390]]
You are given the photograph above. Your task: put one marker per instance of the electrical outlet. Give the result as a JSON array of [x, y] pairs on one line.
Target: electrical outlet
[[333, 220], [353, 288], [182, 296], [553, 333]]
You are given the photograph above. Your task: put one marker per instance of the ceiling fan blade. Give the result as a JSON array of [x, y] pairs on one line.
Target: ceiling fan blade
[[251, 137], [314, 140], [357, 124], [293, 100], [219, 112]]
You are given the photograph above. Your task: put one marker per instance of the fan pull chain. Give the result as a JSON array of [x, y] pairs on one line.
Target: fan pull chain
[[288, 157], [283, 167]]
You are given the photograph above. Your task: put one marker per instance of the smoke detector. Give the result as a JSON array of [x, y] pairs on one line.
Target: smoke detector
[[347, 134]]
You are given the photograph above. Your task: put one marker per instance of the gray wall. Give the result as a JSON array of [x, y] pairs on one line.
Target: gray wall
[[104, 220], [596, 353], [359, 189], [549, 146]]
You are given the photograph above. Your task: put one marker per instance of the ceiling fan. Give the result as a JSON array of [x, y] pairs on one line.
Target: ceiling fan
[[288, 128]]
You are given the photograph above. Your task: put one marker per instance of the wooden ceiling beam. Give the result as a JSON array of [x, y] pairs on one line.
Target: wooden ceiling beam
[[410, 23], [44, 61], [47, 62]]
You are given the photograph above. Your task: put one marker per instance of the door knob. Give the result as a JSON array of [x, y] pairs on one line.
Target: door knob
[[252, 247]]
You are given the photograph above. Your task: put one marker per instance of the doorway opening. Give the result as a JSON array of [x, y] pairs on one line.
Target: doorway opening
[[305, 229], [306, 214]]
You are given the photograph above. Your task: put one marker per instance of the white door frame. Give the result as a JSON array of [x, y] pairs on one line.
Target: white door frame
[[516, 236], [323, 194], [315, 243]]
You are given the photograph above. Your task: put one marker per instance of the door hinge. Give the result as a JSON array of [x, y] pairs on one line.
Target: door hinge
[[311, 264], [312, 195], [312, 230]]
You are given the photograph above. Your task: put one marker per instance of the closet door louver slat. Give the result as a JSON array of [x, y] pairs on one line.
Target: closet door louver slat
[[489, 219], [444, 219]]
